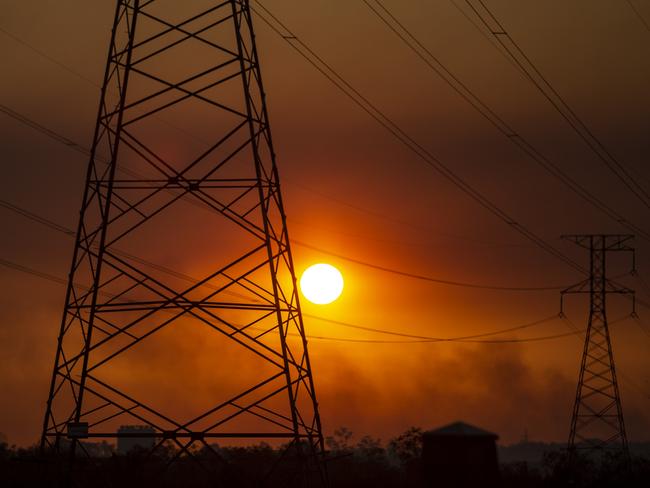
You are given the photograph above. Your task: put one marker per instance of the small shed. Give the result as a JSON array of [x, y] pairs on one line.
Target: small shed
[[460, 455]]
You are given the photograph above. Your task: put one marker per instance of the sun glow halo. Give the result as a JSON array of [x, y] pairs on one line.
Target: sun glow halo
[[321, 283]]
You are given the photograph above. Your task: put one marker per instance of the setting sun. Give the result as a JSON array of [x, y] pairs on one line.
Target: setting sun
[[321, 283]]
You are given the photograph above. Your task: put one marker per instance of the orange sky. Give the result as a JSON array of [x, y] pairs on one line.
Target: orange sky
[[352, 189]]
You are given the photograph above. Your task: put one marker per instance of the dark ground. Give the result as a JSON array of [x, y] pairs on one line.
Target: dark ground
[[366, 463]]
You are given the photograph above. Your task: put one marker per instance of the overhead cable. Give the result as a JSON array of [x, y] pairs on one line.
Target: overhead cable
[[549, 92], [430, 60], [423, 154], [470, 339]]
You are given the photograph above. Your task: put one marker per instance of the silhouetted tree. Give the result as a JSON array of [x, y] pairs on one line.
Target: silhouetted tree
[[370, 450], [339, 443], [407, 447]]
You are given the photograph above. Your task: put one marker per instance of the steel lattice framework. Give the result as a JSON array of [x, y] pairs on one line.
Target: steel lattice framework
[[597, 420], [169, 77]]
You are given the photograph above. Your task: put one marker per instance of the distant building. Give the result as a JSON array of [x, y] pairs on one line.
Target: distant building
[[460, 455], [131, 437]]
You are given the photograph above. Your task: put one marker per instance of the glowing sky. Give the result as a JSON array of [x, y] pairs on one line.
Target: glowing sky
[[352, 189]]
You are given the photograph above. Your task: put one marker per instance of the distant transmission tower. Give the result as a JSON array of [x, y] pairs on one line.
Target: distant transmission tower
[[597, 421], [183, 167]]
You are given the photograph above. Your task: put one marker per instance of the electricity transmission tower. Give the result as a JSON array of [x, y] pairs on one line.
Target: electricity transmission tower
[[183, 166], [597, 420]]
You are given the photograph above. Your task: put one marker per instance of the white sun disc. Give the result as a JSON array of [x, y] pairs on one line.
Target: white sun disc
[[321, 283]]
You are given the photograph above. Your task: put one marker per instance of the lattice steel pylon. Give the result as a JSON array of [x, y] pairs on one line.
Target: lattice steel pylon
[[183, 167], [597, 421]]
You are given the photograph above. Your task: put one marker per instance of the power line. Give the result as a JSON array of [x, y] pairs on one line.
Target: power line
[[44, 130], [86, 151], [36, 218], [59, 138], [83, 150], [77, 147], [409, 243], [641, 326], [467, 338], [428, 278], [415, 338], [460, 183], [425, 55], [487, 341], [360, 100], [422, 339], [69, 232], [59, 281], [643, 303], [487, 37], [638, 14], [404, 223], [286, 38], [388, 124], [31, 271], [644, 283], [557, 101], [49, 58], [420, 277], [78, 75]]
